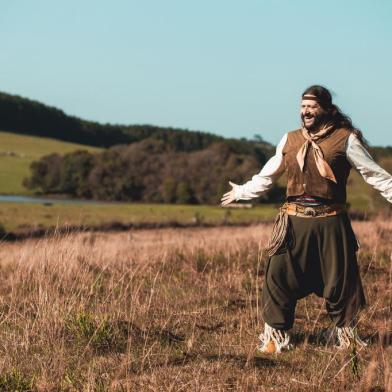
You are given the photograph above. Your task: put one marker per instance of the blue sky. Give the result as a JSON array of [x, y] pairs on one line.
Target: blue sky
[[235, 68]]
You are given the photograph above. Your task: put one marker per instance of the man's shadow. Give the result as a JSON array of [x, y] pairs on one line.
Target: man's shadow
[[318, 338]]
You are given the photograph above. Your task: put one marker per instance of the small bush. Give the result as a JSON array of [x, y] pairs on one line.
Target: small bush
[[202, 261], [15, 381], [85, 329]]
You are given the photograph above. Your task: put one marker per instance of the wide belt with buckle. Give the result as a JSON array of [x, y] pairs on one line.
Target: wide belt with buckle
[[313, 212], [280, 228]]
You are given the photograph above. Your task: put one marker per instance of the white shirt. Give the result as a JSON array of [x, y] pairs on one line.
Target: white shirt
[[356, 153]]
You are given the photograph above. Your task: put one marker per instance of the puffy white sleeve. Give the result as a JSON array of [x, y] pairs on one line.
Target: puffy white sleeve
[[264, 180], [371, 172]]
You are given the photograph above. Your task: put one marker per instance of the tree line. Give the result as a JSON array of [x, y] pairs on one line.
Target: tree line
[[149, 171], [22, 115]]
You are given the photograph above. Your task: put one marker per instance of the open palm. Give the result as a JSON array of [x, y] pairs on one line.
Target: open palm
[[229, 197]]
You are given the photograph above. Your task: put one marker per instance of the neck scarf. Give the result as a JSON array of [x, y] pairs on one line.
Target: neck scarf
[[312, 139]]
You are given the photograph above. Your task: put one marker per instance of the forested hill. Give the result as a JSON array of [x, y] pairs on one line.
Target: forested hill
[[25, 116]]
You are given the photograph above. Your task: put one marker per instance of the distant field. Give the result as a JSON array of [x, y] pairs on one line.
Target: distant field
[[15, 216], [18, 151]]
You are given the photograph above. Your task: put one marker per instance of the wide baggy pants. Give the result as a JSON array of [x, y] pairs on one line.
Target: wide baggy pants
[[318, 256]]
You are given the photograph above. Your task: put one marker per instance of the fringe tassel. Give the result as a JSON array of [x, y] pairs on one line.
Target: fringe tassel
[[348, 336], [278, 233], [279, 337]]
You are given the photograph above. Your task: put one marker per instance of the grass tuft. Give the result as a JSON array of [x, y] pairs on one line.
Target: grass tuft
[[85, 329], [16, 381]]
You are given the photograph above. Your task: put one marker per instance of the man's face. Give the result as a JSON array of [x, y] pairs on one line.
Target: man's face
[[312, 114]]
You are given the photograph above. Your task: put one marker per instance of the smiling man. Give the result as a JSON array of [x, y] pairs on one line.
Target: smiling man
[[312, 113], [313, 247]]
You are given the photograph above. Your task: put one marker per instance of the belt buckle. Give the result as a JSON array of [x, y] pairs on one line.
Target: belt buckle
[[309, 211]]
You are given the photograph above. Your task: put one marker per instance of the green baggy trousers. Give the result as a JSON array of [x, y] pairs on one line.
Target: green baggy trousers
[[318, 256]]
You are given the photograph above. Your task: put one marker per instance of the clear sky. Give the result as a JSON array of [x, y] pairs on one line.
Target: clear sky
[[235, 68]]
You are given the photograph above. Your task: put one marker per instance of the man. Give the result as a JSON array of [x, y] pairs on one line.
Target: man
[[313, 247]]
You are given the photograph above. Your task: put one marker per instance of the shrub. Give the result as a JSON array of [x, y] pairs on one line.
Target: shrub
[[16, 381], [83, 328]]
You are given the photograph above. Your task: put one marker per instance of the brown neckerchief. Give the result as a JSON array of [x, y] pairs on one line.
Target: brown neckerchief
[[312, 139]]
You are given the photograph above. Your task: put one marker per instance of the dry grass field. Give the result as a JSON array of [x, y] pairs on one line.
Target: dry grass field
[[175, 310]]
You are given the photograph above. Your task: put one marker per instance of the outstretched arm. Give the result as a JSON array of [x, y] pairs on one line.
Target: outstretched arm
[[371, 172], [260, 182]]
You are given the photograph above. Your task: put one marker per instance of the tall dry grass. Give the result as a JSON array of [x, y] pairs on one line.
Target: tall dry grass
[[175, 310]]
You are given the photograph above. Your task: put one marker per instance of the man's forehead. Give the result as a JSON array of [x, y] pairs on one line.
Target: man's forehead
[[309, 101]]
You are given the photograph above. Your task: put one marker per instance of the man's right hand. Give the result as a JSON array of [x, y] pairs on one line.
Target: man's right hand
[[228, 197]]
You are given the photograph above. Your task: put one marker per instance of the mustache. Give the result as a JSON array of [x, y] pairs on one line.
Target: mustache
[[303, 116]]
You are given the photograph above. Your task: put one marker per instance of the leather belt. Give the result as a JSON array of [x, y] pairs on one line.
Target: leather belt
[[313, 212]]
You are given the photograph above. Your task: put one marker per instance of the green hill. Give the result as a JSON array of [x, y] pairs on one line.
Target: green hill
[[18, 151]]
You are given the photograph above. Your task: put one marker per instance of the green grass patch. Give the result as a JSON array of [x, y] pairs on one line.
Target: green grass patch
[[15, 381], [16, 216], [85, 329]]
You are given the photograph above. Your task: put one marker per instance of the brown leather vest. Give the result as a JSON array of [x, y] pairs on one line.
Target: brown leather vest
[[310, 181]]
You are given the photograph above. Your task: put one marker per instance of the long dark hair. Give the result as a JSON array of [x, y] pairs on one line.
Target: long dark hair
[[334, 114]]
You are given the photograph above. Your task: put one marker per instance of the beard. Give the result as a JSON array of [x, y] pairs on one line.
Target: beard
[[318, 121]]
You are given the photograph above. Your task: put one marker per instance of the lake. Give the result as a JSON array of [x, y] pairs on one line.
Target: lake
[[44, 200]]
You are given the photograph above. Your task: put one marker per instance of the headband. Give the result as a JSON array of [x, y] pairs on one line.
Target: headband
[[322, 102]]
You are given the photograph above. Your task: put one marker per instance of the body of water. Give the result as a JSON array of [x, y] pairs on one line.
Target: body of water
[[44, 200]]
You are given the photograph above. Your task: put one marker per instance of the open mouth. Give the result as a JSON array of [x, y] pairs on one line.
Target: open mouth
[[308, 119]]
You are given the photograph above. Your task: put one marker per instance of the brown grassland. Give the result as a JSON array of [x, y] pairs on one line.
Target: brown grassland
[[176, 310]]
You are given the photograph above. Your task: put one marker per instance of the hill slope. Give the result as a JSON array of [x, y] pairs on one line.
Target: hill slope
[[18, 151]]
